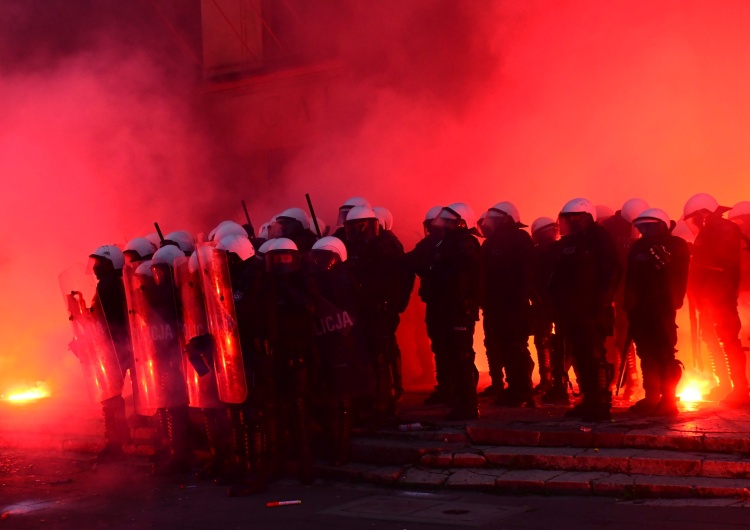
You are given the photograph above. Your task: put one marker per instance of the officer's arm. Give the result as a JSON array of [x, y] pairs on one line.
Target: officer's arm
[[680, 272]]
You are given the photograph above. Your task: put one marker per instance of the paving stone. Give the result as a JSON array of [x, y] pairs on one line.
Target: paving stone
[[608, 460], [563, 439], [496, 436], [665, 463], [608, 439], [469, 478], [663, 486], [528, 457], [383, 475], [350, 472], [574, 482], [424, 478], [722, 487], [728, 468], [469, 460], [658, 440], [525, 481], [616, 484], [723, 443], [437, 460]]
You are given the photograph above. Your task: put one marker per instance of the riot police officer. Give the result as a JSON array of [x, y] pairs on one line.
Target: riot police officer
[[109, 306], [344, 371], [290, 328], [452, 296], [553, 365], [582, 286], [714, 282], [504, 298], [620, 228], [655, 286]]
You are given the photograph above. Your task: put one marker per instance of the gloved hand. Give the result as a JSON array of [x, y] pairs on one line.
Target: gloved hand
[[200, 350]]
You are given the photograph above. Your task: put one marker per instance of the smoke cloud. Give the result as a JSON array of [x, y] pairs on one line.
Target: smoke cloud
[[106, 126]]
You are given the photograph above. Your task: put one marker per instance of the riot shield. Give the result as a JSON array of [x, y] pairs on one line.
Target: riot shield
[[198, 365], [157, 348], [222, 322], [92, 340]]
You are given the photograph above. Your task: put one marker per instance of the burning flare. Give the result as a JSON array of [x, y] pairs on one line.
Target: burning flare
[[28, 395]]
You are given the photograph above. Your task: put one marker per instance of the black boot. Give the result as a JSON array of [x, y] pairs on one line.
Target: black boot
[[116, 430], [652, 385], [341, 430], [736, 362], [671, 373], [179, 450], [216, 435]]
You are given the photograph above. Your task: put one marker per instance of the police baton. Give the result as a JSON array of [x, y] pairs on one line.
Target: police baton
[[158, 231], [624, 361], [312, 214], [247, 216]]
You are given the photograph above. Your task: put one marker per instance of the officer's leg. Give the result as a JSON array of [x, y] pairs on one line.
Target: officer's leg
[[116, 430], [519, 367], [715, 352], [727, 330], [543, 344], [179, 449], [438, 332], [216, 435], [558, 393], [494, 348], [462, 345]]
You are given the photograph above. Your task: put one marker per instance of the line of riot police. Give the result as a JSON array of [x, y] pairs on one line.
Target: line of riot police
[[265, 335]]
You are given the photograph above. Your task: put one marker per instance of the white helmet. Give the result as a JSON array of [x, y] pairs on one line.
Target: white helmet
[[741, 208], [239, 245], [385, 217], [144, 269], [579, 205], [229, 228], [651, 215], [603, 212], [508, 208], [321, 224], [141, 246], [281, 243], [263, 232], [682, 230], [361, 212], [541, 223], [333, 244], [632, 208], [193, 265], [432, 213], [356, 201], [112, 253], [264, 247], [167, 254], [459, 210], [348, 205], [698, 202], [183, 239], [297, 214], [154, 238]]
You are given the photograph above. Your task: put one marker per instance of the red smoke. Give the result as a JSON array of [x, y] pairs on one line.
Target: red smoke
[[431, 102]]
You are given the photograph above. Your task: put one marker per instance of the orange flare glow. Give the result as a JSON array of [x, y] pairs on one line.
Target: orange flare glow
[[21, 397]]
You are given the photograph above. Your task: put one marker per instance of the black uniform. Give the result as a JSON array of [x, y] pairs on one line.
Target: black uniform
[[110, 303], [655, 286], [621, 232], [504, 298], [379, 266], [450, 288], [290, 332], [419, 260], [343, 371], [714, 283], [582, 288], [553, 365]]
